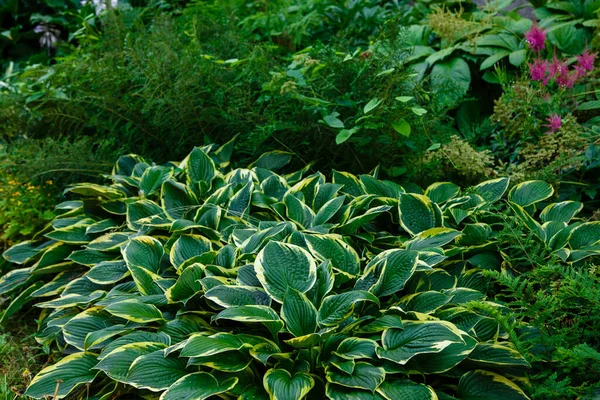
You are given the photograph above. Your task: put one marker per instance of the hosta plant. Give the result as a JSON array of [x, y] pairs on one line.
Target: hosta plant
[[190, 280]]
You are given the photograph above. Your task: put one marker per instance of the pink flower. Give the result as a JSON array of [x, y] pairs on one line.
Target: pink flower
[[538, 69], [585, 62], [554, 123], [536, 37], [555, 68], [567, 78]]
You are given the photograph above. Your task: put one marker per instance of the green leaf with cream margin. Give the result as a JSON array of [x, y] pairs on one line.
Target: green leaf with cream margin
[[281, 385], [400, 345], [198, 386], [484, 385], [530, 192], [280, 266], [67, 374]]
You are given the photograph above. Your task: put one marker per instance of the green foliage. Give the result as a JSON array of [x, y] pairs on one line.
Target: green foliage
[[250, 283], [561, 303]]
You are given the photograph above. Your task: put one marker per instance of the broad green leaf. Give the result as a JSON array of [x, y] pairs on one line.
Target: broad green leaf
[[365, 376], [492, 190], [272, 160], [281, 385], [497, 355], [72, 371], [333, 248], [484, 385], [338, 307], [280, 266], [144, 252], [441, 192], [371, 105], [239, 295], [418, 337], [406, 389], [187, 247], [153, 178], [562, 212], [135, 311], [337, 392], [200, 167], [530, 192], [356, 348], [434, 237], [299, 314], [187, 285], [143, 372], [117, 362], [584, 235], [198, 386], [389, 271], [417, 213], [299, 212], [177, 199]]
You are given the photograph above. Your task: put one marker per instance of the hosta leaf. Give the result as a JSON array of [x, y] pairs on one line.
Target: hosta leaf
[[280, 266], [424, 302], [299, 212], [441, 192], [231, 296], [135, 337], [281, 385], [364, 376], [187, 247], [389, 271], [94, 190], [187, 285], [584, 235], [144, 252], [434, 237], [97, 337], [530, 192], [135, 311], [74, 234], [336, 308], [417, 213], [109, 242], [355, 348], [492, 190], [72, 371], [561, 212], [108, 272], [272, 160], [21, 253], [484, 385], [445, 360], [197, 386], [116, 364], [333, 248], [497, 355], [419, 337], [299, 314], [153, 178], [199, 167], [406, 389], [323, 285], [143, 372], [76, 330], [177, 199], [23, 298], [143, 213], [337, 392], [229, 361], [204, 346], [240, 202], [14, 279], [329, 209]]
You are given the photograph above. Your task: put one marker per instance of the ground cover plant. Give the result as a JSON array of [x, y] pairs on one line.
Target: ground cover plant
[[247, 283]]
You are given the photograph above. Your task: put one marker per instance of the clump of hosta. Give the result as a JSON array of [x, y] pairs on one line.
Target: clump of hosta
[[190, 280]]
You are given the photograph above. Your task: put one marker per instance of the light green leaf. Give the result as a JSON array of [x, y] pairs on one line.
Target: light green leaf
[[402, 127], [135, 311]]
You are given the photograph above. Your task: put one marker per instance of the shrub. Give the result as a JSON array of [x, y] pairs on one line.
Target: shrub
[[247, 283]]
